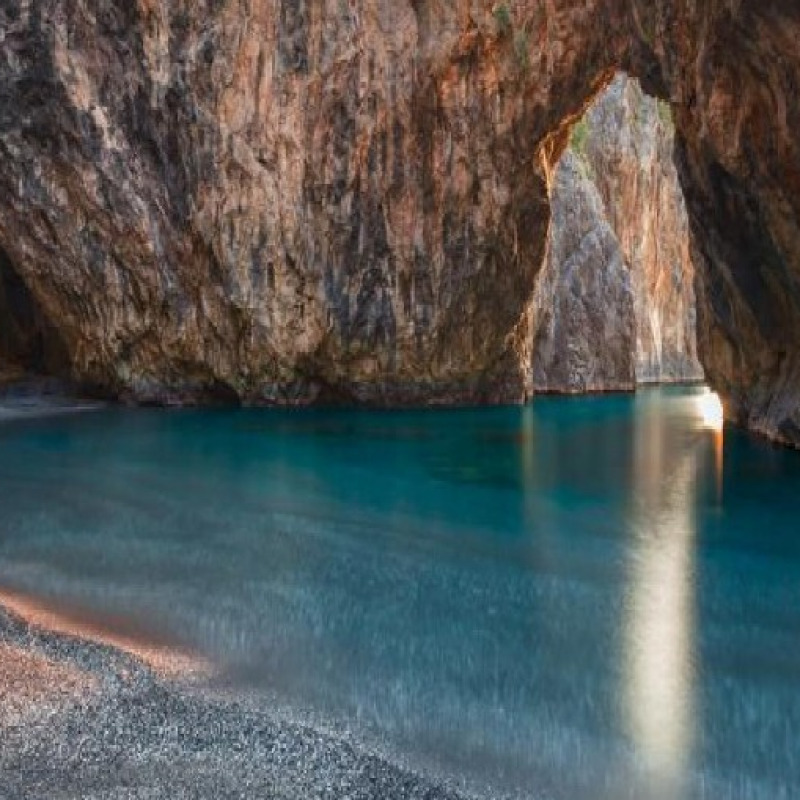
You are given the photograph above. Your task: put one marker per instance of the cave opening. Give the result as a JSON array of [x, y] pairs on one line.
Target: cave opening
[[30, 344], [615, 299]]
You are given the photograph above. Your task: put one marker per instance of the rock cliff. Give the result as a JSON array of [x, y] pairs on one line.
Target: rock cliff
[[614, 304], [287, 201], [583, 307]]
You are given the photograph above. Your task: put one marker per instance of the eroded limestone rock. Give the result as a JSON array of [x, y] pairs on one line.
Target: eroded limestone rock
[[615, 303], [290, 201], [585, 323]]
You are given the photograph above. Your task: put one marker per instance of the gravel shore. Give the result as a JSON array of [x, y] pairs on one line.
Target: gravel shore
[[84, 719]]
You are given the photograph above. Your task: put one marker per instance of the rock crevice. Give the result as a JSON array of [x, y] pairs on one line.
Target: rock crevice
[[29, 341]]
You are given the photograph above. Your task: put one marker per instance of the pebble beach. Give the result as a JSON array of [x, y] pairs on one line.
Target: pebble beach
[[80, 718]]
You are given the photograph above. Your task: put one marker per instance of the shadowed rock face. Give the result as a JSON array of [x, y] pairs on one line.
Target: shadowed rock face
[[615, 304], [296, 201], [28, 339]]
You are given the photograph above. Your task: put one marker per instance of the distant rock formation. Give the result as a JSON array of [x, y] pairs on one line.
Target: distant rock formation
[[615, 304], [585, 324]]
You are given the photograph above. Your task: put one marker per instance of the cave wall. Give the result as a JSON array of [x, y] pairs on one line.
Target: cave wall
[[303, 201], [614, 304], [253, 194], [731, 74]]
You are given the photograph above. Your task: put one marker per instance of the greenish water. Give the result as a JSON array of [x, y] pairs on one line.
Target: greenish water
[[583, 598]]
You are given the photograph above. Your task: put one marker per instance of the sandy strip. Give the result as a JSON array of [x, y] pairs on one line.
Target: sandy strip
[[166, 659], [82, 719]]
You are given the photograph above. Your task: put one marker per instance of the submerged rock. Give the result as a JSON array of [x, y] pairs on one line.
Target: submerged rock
[[615, 302]]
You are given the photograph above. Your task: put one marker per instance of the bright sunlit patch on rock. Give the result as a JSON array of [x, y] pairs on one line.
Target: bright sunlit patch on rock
[[711, 411]]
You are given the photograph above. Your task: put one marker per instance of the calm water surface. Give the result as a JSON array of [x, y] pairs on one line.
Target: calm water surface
[[582, 598]]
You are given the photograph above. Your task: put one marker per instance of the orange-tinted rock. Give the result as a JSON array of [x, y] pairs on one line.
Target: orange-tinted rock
[[731, 72]]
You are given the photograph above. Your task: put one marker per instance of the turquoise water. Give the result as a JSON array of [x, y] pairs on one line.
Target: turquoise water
[[582, 598]]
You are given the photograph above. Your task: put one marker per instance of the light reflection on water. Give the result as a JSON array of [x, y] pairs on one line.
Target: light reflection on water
[[660, 619], [558, 598]]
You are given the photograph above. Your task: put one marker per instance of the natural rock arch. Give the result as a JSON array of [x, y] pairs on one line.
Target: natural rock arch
[[614, 305], [301, 199]]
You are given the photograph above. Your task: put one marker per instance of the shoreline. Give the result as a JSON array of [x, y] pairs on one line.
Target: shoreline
[[87, 712], [167, 659]]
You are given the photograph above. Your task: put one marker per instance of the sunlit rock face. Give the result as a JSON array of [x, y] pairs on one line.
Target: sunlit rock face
[[615, 304], [629, 149], [293, 201], [583, 308], [280, 201]]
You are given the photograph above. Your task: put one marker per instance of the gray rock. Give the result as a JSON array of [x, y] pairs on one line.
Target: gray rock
[[585, 322], [615, 302]]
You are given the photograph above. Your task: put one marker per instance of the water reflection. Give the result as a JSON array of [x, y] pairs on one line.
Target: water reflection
[[660, 634], [712, 416]]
